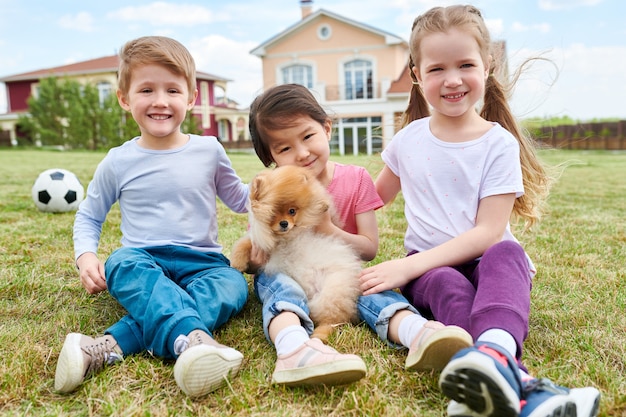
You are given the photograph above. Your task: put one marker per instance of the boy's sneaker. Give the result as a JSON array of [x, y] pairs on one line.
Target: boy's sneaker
[[204, 365], [435, 344], [486, 379], [82, 356], [542, 398], [315, 363]]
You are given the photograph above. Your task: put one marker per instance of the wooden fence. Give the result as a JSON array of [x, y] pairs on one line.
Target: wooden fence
[[604, 135]]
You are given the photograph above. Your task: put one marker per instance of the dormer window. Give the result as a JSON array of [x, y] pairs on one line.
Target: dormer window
[[324, 32]]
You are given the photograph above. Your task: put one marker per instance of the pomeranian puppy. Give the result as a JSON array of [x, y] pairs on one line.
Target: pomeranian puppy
[[285, 206]]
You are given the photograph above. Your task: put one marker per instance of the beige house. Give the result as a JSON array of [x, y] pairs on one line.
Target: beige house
[[357, 72]]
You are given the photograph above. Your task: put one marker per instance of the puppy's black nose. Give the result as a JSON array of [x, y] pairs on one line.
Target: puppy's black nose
[[283, 224]]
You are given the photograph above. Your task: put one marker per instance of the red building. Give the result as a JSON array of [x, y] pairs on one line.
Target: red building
[[218, 115]]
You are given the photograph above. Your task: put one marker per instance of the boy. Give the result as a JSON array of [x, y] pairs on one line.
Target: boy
[[169, 274]]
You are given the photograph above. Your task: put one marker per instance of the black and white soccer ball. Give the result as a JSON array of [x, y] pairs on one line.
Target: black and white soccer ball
[[57, 190]]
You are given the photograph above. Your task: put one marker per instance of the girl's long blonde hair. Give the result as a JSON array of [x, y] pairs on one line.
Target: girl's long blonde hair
[[536, 180]]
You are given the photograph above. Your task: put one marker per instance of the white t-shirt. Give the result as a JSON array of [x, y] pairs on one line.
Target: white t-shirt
[[443, 182]]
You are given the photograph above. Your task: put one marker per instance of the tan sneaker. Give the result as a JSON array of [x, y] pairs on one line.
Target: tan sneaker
[[82, 356], [205, 365], [315, 363], [435, 344]]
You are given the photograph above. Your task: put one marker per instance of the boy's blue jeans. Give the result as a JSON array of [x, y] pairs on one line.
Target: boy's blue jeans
[[280, 293], [170, 291]]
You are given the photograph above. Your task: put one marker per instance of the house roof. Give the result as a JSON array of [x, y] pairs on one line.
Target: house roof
[[403, 83], [92, 66], [390, 38]]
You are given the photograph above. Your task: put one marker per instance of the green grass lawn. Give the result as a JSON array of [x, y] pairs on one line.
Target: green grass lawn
[[577, 324]]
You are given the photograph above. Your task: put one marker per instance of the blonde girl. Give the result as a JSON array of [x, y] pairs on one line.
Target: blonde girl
[[464, 174]]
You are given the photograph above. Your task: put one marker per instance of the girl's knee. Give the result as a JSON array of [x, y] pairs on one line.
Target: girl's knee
[[505, 248], [440, 279]]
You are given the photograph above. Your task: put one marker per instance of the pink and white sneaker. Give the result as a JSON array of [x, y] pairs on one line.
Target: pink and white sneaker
[[315, 363]]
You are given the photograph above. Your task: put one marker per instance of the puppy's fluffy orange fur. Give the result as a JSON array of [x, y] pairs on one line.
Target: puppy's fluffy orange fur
[[285, 205]]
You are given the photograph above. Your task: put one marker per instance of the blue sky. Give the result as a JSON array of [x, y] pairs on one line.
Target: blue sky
[[585, 40]]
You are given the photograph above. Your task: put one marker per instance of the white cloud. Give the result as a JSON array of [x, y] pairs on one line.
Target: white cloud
[[553, 5], [495, 26], [169, 14], [82, 22], [537, 27], [585, 87], [230, 59], [599, 62]]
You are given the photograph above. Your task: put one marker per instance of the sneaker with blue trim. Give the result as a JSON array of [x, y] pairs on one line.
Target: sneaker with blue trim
[[578, 402], [542, 398], [486, 379], [587, 401]]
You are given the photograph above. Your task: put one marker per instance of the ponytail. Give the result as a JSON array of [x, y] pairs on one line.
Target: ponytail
[[418, 106], [536, 180]]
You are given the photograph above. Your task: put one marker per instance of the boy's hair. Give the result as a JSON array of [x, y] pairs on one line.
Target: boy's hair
[[159, 50], [495, 102], [277, 108]]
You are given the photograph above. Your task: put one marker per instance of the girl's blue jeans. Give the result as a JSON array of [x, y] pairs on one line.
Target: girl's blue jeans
[[280, 293]]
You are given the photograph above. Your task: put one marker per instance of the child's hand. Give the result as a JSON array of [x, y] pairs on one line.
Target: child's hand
[[91, 272], [258, 258], [385, 276], [326, 226]]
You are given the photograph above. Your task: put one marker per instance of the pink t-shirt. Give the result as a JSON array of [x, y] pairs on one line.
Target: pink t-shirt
[[353, 193]]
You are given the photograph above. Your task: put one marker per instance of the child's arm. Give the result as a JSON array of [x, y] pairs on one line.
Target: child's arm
[[491, 221], [91, 272], [387, 185], [364, 242]]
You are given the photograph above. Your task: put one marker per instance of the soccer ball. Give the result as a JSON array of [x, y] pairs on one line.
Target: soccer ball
[[57, 190]]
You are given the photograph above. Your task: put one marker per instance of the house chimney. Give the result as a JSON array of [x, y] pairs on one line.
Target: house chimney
[[307, 7]]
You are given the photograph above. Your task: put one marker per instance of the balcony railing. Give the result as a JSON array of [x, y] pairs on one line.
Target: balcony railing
[[341, 93]]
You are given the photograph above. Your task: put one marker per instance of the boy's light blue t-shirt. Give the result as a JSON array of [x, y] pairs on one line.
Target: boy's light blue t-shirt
[[166, 197]]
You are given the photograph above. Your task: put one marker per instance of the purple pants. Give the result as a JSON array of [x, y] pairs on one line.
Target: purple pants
[[492, 293]]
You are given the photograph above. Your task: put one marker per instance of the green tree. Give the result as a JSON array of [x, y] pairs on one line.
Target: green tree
[[45, 121], [191, 125], [70, 114], [118, 126]]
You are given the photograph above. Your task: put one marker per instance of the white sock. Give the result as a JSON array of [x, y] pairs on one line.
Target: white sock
[[180, 344], [409, 328], [289, 339], [501, 338]]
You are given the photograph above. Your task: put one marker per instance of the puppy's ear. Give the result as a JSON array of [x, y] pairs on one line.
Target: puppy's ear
[[305, 177], [256, 186]]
